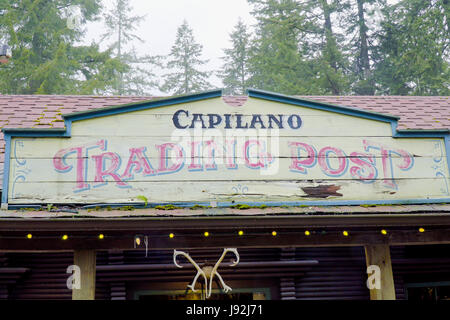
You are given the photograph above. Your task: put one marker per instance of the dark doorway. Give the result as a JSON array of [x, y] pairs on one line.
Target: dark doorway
[[241, 296], [429, 292]]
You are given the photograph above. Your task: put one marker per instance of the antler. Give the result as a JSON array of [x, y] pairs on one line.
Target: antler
[[199, 270], [216, 266], [234, 250]]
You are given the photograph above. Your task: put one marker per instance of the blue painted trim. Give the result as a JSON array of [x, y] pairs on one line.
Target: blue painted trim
[[265, 95], [141, 106], [302, 203], [270, 96], [6, 166], [447, 150], [257, 204], [309, 203], [23, 206]]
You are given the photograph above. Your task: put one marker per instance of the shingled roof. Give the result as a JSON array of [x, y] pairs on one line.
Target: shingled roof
[[44, 111]]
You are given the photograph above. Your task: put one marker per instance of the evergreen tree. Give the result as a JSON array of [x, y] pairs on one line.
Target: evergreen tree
[[296, 50], [361, 41], [277, 59], [135, 78], [184, 59], [413, 55], [235, 73], [333, 64], [45, 58]]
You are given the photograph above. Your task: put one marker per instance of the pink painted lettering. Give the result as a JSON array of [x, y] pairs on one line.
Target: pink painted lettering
[[101, 172], [230, 154], [81, 162], [323, 159], [263, 158], [178, 161], [195, 164], [298, 164], [210, 162], [139, 162], [366, 169], [407, 161]]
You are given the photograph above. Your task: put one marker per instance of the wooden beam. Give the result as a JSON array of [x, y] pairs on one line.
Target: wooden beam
[[221, 222], [241, 265], [379, 255], [86, 260], [157, 241]]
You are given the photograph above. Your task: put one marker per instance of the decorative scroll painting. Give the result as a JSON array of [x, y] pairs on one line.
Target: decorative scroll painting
[[207, 151]]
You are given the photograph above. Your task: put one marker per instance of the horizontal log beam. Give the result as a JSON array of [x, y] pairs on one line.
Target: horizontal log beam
[[10, 270], [262, 240], [256, 264], [224, 222], [176, 278]]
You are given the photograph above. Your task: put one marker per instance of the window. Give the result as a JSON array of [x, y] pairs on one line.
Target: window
[[428, 291], [238, 294]]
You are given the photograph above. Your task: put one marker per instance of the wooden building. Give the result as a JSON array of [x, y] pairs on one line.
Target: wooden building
[[323, 197]]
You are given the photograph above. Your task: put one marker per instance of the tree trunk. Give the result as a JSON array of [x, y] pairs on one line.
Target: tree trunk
[[119, 51], [364, 62], [329, 31], [330, 45]]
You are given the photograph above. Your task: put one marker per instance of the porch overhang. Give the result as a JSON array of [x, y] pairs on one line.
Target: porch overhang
[[401, 223]]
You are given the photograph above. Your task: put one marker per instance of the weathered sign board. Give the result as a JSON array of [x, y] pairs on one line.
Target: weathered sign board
[[198, 149]]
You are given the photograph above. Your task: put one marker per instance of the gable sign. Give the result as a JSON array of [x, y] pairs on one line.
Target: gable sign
[[198, 149]]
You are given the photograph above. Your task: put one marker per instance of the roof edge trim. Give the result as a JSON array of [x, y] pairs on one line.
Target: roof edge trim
[[135, 106], [26, 131], [261, 94]]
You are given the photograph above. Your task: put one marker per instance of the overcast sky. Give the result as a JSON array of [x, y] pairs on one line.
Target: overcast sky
[[211, 20]]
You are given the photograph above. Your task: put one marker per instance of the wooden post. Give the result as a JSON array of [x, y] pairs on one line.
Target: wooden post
[[86, 260], [379, 255]]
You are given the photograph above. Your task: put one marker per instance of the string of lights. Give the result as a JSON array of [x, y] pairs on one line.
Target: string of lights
[[139, 238]]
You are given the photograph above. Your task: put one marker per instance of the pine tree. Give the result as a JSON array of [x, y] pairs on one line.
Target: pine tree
[[235, 73], [296, 50], [332, 63], [414, 50], [361, 42], [135, 78], [277, 60], [46, 59], [184, 59]]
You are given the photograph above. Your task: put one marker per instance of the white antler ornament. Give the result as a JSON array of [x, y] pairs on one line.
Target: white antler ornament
[[206, 271]]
